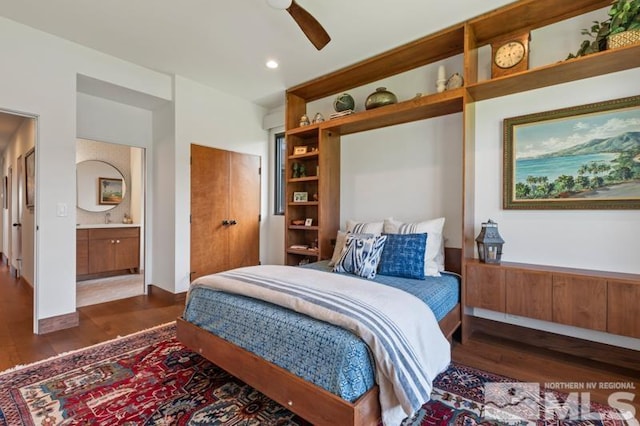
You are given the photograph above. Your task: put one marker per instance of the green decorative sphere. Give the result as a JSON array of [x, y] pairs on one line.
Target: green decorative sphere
[[344, 102]]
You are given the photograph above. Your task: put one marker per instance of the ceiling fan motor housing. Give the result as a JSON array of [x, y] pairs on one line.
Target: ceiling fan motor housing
[[280, 4]]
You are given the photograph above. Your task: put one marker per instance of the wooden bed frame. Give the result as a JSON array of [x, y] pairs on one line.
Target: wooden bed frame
[[305, 399]]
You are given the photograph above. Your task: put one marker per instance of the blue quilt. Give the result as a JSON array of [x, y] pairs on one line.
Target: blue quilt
[[324, 354], [441, 294]]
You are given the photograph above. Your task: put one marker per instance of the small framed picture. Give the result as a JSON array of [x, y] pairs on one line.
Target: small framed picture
[[110, 191], [300, 197], [299, 150], [30, 177], [308, 221]]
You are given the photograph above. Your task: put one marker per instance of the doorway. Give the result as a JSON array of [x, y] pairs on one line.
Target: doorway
[[18, 135], [110, 215]]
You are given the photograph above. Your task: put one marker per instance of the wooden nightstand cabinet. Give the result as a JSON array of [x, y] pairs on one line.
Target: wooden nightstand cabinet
[[595, 300], [529, 294], [580, 301], [485, 286], [623, 314]]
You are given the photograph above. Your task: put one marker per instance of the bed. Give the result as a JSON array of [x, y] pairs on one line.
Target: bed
[[302, 383]]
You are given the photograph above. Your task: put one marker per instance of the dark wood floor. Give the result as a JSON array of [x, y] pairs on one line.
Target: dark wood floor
[[98, 323], [108, 320], [548, 368]]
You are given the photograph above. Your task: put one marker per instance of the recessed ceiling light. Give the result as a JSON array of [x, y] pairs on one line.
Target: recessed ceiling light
[[272, 64]]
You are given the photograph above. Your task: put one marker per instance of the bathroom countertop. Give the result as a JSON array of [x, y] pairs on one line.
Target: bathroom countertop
[[108, 225]]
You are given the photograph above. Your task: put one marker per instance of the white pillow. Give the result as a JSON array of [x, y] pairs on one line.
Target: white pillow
[[358, 227], [434, 252], [337, 249]]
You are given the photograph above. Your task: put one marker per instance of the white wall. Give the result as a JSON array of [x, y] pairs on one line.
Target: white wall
[[274, 224], [590, 239], [50, 92], [411, 172], [162, 215], [209, 117], [105, 120]]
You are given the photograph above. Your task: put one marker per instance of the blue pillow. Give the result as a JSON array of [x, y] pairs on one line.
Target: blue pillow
[[361, 255], [403, 256]]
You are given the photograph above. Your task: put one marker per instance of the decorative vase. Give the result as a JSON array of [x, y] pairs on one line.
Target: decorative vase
[[455, 81], [441, 81], [622, 39], [344, 102], [318, 118], [380, 97]]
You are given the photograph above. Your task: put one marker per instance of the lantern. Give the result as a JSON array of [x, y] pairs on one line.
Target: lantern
[[489, 243]]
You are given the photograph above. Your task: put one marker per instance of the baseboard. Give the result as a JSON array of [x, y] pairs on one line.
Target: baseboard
[[600, 352], [60, 322], [24, 281], [167, 295]]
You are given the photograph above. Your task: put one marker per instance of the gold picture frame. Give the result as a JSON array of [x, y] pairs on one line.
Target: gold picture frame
[[30, 177], [300, 150], [300, 197], [583, 157], [109, 191]]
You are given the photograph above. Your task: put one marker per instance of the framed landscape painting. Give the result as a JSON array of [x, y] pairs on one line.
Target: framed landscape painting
[[583, 157], [110, 191]]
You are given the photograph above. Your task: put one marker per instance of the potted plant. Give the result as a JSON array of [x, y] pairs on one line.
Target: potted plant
[[624, 23], [597, 40]]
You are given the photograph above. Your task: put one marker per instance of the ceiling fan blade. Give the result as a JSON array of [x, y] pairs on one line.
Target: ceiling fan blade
[[309, 25]]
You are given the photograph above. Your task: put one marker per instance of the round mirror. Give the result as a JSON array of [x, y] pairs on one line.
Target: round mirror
[[100, 186]]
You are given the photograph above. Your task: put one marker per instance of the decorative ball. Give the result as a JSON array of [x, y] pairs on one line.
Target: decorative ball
[[344, 102]]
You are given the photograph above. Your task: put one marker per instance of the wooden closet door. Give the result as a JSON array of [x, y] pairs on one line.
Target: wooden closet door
[[209, 207], [244, 198], [225, 209]]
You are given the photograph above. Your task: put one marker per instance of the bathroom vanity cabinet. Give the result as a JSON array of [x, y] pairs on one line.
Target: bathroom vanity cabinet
[[107, 251]]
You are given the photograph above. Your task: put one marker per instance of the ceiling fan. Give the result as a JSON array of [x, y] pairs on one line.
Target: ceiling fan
[[309, 25]]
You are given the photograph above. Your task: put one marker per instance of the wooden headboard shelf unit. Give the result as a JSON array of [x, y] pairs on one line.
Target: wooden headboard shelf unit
[[465, 39]]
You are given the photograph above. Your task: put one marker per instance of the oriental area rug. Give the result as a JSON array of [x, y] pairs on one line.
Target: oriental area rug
[[149, 378]]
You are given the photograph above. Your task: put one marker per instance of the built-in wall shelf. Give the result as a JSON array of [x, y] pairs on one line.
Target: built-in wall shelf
[[465, 39], [426, 50], [304, 132], [303, 179], [303, 227], [561, 72], [418, 108], [310, 154], [303, 252], [527, 15]]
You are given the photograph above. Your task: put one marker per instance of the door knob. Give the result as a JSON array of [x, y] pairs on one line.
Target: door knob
[[225, 222], [17, 224], [233, 222]]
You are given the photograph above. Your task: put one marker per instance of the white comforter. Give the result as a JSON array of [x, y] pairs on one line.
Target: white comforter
[[401, 331]]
